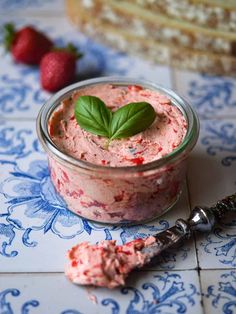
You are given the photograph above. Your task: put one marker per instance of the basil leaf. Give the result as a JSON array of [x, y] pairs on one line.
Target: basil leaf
[[131, 119], [92, 115]]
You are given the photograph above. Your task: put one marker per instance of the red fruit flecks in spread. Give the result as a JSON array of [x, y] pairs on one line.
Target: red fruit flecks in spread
[[65, 176], [74, 263], [93, 203], [135, 88], [103, 161], [51, 129], [119, 198], [58, 184], [75, 194], [137, 161]]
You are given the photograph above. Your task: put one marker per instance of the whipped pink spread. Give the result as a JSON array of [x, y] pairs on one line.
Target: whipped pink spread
[[106, 264], [161, 138], [132, 196]]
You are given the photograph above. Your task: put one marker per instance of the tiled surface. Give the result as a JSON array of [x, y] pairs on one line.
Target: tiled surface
[[36, 229], [211, 96], [212, 176], [147, 292], [219, 288]]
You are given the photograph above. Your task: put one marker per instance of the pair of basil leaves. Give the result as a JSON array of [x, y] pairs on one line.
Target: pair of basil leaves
[[94, 116]]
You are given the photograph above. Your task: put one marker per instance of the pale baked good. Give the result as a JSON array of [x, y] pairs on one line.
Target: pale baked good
[[217, 14], [160, 38]]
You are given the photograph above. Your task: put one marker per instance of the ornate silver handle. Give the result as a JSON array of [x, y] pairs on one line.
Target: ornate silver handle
[[201, 219]]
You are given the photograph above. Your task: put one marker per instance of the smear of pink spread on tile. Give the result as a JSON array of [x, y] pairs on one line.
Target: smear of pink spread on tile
[[106, 264]]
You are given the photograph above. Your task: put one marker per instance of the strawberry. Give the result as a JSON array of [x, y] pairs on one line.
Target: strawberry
[[58, 68], [27, 45]]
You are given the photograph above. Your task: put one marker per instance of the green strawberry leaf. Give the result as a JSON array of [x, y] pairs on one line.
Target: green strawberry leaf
[[9, 35]]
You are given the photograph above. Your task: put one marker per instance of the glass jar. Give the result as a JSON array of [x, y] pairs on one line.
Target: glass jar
[[130, 194]]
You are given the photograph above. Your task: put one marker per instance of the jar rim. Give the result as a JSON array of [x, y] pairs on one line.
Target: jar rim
[[53, 102]]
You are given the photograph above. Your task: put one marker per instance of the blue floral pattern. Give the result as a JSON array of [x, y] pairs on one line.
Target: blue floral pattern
[[13, 143], [220, 138], [222, 244], [211, 95], [167, 294], [6, 306], [33, 197], [17, 96], [223, 295]]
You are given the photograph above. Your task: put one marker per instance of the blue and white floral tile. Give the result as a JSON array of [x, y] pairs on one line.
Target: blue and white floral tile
[[211, 96], [35, 222], [21, 95], [219, 291], [211, 177], [146, 292], [28, 6]]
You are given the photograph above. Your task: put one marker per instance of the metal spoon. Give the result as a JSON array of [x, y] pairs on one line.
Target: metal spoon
[[201, 219]]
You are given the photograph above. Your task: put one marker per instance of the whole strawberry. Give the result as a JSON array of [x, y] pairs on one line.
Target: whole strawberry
[[27, 45], [58, 68]]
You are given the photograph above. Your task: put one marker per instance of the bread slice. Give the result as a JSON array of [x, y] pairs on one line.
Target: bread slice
[[125, 39], [217, 14], [144, 23]]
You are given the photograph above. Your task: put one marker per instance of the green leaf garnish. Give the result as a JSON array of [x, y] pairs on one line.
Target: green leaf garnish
[[131, 119], [93, 116]]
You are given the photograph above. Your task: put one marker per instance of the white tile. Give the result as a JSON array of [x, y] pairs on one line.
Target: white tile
[[219, 291], [146, 292], [211, 96], [27, 6], [34, 220], [211, 177]]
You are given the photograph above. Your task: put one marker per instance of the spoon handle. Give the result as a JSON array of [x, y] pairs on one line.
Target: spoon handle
[[201, 219]]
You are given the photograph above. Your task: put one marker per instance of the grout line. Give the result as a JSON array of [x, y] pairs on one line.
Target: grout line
[[199, 270], [222, 117], [191, 208], [5, 119], [200, 285], [195, 244]]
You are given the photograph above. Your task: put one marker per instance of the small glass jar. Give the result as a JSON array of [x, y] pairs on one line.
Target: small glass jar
[[130, 194]]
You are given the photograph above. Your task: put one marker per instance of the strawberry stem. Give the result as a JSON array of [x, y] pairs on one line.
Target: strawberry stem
[[9, 35], [71, 49]]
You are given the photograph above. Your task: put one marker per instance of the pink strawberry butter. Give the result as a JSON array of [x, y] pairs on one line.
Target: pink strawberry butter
[[133, 180], [106, 264]]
